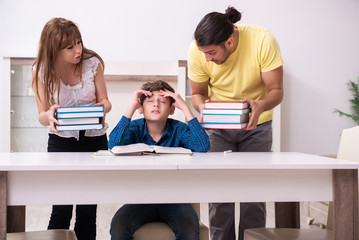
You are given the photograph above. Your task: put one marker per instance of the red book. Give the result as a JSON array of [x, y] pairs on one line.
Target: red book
[[224, 125]]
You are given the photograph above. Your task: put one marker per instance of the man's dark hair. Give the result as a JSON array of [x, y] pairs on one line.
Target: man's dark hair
[[215, 27], [156, 86]]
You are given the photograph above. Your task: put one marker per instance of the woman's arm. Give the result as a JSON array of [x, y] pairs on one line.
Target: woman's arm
[[101, 91], [46, 113]]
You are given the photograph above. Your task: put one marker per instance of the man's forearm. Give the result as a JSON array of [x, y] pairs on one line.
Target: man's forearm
[[272, 99], [198, 102]]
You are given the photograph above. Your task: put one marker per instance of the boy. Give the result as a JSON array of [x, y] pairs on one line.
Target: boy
[[156, 101]]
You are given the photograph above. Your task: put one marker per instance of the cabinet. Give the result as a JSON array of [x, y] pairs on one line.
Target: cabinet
[[25, 132]]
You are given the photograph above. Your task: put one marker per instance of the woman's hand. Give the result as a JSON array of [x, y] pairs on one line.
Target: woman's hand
[[51, 117]]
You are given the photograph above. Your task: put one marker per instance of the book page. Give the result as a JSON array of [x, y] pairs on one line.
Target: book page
[[132, 148], [102, 153], [171, 150]]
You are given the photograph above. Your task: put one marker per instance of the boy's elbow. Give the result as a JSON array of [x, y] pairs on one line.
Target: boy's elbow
[[110, 144], [205, 147], [208, 147]]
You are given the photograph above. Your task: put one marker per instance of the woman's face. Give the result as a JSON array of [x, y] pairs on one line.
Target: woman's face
[[72, 53]]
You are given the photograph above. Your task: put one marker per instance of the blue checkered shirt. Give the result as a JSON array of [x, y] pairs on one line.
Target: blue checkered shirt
[[177, 134]]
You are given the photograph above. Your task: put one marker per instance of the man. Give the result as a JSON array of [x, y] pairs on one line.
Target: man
[[229, 62]]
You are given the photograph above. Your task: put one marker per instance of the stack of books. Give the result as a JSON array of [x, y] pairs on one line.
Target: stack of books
[[225, 115], [79, 118]]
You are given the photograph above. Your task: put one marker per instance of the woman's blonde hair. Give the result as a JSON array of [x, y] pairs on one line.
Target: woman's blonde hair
[[57, 34]]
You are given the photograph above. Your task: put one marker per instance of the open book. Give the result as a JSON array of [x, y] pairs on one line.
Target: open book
[[141, 148]]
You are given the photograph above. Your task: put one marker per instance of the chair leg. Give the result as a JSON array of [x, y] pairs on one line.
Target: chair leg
[[287, 215], [310, 221], [16, 219]]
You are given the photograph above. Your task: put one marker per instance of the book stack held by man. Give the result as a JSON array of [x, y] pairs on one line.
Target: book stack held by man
[[79, 118], [225, 115]]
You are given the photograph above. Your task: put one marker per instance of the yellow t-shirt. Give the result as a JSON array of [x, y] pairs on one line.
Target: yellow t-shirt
[[240, 75]]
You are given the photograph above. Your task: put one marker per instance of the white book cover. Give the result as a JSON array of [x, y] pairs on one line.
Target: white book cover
[[207, 111], [226, 105], [226, 118], [78, 127], [70, 121]]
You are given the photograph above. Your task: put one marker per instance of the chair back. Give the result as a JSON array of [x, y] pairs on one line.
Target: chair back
[[349, 144], [348, 150]]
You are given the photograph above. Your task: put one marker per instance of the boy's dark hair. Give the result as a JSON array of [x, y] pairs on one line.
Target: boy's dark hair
[[156, 86], [215, 27]]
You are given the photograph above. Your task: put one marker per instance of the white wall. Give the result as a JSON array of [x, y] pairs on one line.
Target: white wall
[[319, 42]]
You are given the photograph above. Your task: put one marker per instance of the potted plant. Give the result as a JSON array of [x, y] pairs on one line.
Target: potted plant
[[354, 89]]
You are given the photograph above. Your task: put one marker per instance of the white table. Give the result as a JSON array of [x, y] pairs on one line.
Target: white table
[[80, 178]]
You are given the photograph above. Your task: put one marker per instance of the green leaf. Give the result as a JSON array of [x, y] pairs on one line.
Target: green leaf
[[354, 102]]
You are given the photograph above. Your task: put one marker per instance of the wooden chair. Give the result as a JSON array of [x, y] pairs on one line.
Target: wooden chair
[[43, 235], [348, 150], [161, 231], [16, 228], [318, 211]]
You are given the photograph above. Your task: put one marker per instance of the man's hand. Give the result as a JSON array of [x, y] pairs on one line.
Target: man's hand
[[256, 110]]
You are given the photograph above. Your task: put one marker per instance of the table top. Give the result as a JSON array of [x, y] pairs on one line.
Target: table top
[[63, 161]]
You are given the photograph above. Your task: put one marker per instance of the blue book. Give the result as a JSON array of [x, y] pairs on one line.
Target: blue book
[[76, 109], [79, 112], [219, 118]]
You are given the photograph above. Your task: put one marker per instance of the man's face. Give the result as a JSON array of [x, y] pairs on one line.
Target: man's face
[[215, 53], [156, 107]]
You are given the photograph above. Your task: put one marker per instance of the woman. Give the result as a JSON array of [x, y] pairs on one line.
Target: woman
[[68, 74]]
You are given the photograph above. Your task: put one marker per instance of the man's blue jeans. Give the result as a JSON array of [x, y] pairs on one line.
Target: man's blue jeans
[[181, 218]]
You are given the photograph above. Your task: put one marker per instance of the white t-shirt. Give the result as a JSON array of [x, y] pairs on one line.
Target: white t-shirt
[[82, 94]]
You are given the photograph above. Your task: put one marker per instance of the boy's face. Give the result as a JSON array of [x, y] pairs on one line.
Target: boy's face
[[156, 107]]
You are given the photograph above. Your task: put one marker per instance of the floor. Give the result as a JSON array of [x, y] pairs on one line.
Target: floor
[[37, 218]]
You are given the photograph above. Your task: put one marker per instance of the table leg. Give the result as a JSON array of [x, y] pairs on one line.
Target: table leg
[[287, 215], [3, 204], [345, 198]]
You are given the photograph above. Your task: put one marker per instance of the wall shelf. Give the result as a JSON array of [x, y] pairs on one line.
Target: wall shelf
[[140, 78]]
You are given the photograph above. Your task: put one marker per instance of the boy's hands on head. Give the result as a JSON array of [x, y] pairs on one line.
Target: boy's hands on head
[[135, 103], [178, 103]]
